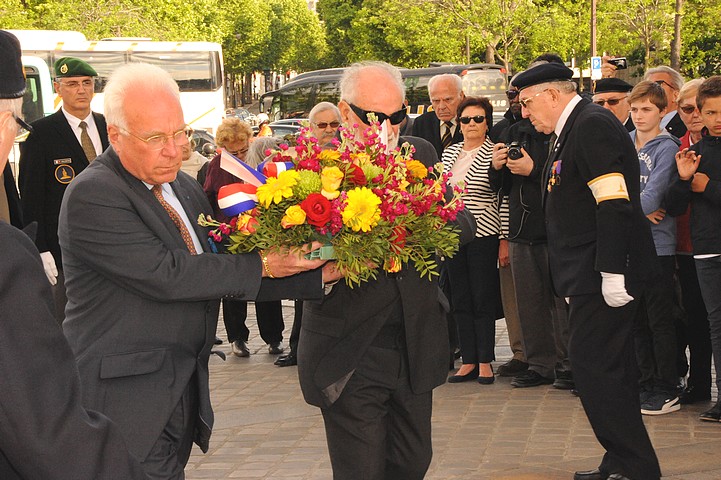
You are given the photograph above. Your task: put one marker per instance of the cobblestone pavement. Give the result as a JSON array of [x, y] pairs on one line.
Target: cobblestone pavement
[[264, 429]]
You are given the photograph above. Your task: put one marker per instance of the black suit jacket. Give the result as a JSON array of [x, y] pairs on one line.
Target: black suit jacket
[[50, 159], [11, 193], [585, 238], [428, 127], [676, 127], [44, 430]]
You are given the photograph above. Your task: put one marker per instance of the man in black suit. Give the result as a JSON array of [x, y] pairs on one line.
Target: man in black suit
[[60, 147], [612, 93], [600, 255], [45, 432], [371, 356], [671, 81], [440, 126]]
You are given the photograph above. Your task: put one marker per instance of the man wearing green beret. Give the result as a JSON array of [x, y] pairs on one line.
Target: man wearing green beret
[[60, 147]]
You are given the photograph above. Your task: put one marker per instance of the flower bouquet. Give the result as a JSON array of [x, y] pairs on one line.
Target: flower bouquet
[[372, 209]]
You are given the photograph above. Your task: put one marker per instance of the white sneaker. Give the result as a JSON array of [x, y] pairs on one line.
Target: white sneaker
[[661, 404]]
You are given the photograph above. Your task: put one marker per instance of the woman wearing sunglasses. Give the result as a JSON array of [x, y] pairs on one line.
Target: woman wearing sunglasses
[[473, 271]]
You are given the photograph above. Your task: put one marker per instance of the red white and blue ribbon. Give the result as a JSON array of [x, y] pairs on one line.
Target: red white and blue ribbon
[[238, 168], [272, 169], [236, 198]]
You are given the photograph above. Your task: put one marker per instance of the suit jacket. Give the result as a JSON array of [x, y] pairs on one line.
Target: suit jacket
[[11, 193], [337, 331], [50, 159], [44, 430], [428, 127], [142, 312], [676, 127], [584, 238]]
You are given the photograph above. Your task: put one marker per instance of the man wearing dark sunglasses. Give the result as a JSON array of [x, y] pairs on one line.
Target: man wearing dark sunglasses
[[512, 115], [671, 81], [611, 93]]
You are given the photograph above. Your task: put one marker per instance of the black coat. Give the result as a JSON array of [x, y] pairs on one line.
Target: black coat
[[11, 192], [50, 159], [676, 127], [428, 127], [586, 238]]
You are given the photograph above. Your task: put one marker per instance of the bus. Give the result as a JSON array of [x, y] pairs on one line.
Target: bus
[[197, 67], [296, 98]]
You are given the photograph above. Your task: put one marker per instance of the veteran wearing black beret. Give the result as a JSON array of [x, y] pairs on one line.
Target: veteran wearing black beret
[[612, 93], [600, 254], [60, 147]]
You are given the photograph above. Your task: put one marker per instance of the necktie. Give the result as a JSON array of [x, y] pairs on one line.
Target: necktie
[[552, 143], [447, 138], [87, 144], [175, 217]]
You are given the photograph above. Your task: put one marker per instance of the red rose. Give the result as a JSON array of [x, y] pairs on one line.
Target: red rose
[[355, 175], [317, 209]]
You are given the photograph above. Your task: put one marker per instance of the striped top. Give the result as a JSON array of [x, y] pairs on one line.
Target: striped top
[[489, 207]]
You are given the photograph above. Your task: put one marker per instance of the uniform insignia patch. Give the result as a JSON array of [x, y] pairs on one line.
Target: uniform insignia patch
[[62, 161], [64, 174]]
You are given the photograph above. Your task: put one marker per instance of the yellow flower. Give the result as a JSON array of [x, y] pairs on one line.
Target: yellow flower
[[329, 155], [294, 215], [276, 189], [331, 177], [362, 211], [417, 169], [360, 159]]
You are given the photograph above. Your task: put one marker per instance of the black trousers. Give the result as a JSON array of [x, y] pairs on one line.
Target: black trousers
[[604, 366], [269, 316], [378, 428]]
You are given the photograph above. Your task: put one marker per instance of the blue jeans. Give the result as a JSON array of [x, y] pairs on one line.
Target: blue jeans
[[709, 279]]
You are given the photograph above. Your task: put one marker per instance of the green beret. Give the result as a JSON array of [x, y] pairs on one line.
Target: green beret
[[73, 67]]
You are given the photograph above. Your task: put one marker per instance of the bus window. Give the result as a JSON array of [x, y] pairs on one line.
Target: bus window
[[487, 82], [326, 92], [194, 71], [294, 101]]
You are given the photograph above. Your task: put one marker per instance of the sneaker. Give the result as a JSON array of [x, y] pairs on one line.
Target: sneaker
[[511, 368], [240, 348], [645, 395], [660, 404], [276, 348]]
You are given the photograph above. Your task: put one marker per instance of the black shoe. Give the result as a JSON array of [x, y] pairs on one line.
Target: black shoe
[[575, 393], [472, 375], [286, 360], [530, 378], [590, 475], [692, 394], [713, 414], [217, 341], [276, 348], [512, 368], [240, 348], [487, 380], [617, 476], [564, 380]]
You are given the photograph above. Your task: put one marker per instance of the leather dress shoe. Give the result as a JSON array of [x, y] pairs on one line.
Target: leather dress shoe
[[217, 341], [590, 475], [472, 375], [512, 368], [564, 380], [286, 360], [713, 414], [276, 348], [530, 378], [240, 348]]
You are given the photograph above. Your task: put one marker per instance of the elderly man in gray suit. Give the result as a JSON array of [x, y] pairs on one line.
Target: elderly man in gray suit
[[143, 289]]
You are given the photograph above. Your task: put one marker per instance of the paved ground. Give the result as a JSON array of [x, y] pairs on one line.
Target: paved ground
[[264, 429]]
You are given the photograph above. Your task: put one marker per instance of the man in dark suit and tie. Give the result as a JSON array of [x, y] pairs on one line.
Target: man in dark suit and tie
[[143, 288], [61, 146], [440, 126], [600, 255], [371, 356]]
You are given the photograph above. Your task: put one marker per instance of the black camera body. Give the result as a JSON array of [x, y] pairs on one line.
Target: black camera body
[[619, 62], [514, 150]]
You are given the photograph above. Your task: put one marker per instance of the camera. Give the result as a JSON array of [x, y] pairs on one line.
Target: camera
[[514, 150], [619, 62]]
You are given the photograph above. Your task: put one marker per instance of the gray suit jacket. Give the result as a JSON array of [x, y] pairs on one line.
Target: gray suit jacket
[[142, 312]]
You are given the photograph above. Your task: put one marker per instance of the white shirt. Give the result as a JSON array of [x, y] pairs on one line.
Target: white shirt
[[92, 129], [169, 196]]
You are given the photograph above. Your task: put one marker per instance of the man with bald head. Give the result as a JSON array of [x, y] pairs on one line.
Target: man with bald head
[[440, 126], [600, 255]]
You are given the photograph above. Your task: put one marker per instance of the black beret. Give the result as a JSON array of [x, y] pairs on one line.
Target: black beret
[[73, 67], [612, 85], [545, 72], [12, 74]]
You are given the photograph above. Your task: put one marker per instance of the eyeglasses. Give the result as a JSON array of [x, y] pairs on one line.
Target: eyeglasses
[[324, 125], [511, 94], [688, 109], [158, 142], [86, 84], [395, 117], [242, 151], [525, 101], [611, 101], [475, 118], [664, 82], [23, 123]]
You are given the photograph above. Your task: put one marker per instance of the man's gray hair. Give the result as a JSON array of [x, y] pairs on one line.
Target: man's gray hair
[[676, 78], [450, 77], [256, 151], [130, 77], [15, 105], [323, 107], [348, 87]]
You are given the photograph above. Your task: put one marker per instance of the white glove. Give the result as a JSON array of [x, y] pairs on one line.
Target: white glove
[[51, 271], [613, 289]]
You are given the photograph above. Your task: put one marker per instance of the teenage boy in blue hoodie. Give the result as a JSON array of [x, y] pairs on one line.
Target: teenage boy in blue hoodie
[[698, 182], [655, 331]]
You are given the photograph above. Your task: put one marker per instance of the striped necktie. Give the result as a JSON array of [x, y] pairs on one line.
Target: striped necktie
[[447, 138], [87, 144], [175, 217]]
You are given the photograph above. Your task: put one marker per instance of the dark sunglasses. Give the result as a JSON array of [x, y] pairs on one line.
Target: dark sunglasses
[[23, 123], [611, 101], [688, 109], [324, 125], [395, 117], [475, 118], [511, 94]]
